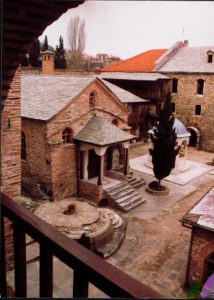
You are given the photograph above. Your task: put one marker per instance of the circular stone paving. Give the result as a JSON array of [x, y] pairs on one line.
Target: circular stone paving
[[75, 218]]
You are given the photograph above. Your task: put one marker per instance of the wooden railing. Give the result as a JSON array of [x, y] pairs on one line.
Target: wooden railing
[[87, 266]]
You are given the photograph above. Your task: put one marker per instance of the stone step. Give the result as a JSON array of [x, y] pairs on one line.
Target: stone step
[[134, 204], [124, 192], [126, 198], [123, 183], [137, 184], [118, 189]]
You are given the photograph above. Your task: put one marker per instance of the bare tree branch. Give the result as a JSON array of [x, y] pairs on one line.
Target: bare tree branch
[[77, 40]]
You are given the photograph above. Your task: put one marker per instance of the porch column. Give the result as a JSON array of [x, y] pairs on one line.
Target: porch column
[[85, 164], [100, 151], [126, 146]]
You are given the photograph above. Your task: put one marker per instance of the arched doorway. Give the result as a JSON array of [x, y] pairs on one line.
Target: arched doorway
[[194, 137]]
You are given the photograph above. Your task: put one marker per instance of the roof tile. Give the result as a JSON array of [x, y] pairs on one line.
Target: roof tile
[[144, 62]]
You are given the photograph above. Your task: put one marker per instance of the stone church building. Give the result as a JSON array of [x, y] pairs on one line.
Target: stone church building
[[75, 137]]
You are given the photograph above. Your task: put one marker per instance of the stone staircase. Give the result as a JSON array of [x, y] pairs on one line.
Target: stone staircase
[[124, 196]]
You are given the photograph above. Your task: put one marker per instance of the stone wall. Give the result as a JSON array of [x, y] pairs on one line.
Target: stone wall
[[185, 100], [201, 247]]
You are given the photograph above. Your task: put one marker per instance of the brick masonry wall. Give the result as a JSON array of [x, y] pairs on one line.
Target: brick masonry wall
[[201, 247], [90, 191], [185, 100], [10, 155], [36, 169], [10, 141], [63, 165], [77, 114]]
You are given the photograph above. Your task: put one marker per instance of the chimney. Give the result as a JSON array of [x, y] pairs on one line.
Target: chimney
[[47, 62]]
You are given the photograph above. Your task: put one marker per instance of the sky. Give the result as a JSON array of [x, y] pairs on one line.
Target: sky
[[128, 28]]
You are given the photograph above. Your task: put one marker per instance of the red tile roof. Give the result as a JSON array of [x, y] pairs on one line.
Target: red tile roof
[[143, 62]]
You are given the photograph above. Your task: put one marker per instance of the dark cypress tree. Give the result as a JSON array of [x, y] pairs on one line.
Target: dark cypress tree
[[164, 144], [34, 54], [59, 59], [45, 44]]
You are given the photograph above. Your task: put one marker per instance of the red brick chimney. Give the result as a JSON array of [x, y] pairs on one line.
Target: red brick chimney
[[47, 62]]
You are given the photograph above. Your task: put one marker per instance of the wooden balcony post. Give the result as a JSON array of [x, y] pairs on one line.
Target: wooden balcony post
[[19, 260], [46, 272], [80, 285]]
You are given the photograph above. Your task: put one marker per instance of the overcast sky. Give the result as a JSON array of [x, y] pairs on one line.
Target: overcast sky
[[127, 28]]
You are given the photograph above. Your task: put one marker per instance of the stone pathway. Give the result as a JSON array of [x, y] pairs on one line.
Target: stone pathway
[[155, 248]]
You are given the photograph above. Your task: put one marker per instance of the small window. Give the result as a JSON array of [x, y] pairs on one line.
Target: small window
[[67, 135], [23, 146], [92, 99], [210, 58], [174, 85], [173, 106], [200, 86], [198, 110], [115, 122]]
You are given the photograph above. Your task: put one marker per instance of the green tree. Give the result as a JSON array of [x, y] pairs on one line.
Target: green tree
[[45, 44], [59, 59], [33, 55], [164, 144]]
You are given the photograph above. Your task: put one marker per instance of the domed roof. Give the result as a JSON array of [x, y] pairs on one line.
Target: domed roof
[[180, 129]]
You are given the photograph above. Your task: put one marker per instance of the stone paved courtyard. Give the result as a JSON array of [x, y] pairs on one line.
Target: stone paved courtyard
[[156, 245]]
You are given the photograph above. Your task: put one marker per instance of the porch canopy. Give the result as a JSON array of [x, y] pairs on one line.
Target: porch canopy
[[99, 134]]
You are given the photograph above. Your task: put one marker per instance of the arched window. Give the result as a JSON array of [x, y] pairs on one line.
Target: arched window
[[174, 85], [67, 135], [23, 146], [92, 99], [200, 86], [115, 122]]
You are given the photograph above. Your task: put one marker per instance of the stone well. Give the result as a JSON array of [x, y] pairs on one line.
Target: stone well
[[77, 218]]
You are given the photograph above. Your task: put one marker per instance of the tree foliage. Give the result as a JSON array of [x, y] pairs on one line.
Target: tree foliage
[[45, 44], [76, 39], [59, 59], [33, 56], [164, 143]]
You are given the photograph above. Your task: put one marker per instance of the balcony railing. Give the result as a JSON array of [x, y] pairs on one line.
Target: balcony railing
[[87, 266]]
